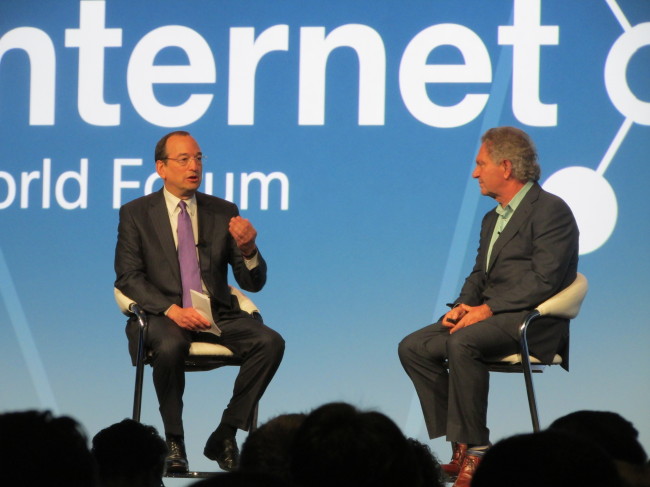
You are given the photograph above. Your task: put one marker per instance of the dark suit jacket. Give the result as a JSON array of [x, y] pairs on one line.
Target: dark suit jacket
[[535, 257], [146, 263]]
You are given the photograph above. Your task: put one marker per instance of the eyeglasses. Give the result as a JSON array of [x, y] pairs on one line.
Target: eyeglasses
[[185, 160]]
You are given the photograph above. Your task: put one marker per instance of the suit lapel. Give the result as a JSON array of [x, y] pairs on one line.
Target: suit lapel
[[519, 217], [160, 220], [486, 234]]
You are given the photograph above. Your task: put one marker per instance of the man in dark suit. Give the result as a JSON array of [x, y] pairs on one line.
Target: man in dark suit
[[528, 252], [154, 231]]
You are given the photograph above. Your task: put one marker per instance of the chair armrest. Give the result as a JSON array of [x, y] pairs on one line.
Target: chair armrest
[[245, 303], [123, 302]]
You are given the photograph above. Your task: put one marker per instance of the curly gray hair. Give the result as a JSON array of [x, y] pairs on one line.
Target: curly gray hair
[[516, 146]]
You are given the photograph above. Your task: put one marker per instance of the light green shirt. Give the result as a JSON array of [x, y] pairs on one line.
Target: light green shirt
[[504, 216]]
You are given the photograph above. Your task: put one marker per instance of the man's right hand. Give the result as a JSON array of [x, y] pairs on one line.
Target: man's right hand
[[453, 316], [188, 318], [464, 315]]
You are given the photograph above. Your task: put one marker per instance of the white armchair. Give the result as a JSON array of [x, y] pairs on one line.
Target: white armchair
[[565, 304], [202, 356]]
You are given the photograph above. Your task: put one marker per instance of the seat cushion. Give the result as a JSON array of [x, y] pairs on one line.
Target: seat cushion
[[515, 358], [204, 348]]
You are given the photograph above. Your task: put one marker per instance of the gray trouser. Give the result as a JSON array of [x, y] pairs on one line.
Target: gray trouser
[[454, 401]]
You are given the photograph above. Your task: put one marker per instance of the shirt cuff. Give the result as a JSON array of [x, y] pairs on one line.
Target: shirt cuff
[[253, 262]]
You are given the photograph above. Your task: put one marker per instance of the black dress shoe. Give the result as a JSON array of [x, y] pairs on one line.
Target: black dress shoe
[[176, 461], [222, 450]]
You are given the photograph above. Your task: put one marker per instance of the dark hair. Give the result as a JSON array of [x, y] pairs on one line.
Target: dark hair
[[337, 445], [160, 154], [37, 448], [266, 450], [428, 464], [129, 450], [548, 458], [516, 146], [616, 435]]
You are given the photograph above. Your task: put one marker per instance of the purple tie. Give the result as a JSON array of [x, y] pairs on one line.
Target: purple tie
[[190, 274]]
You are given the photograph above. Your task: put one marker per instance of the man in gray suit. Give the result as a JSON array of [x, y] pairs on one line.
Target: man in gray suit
[[528, 251], [153, 232]]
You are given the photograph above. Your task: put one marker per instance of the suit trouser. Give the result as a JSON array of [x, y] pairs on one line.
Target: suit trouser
[[259, 347], [454, 401]]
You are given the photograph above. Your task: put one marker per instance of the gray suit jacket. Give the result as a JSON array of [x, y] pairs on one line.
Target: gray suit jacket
[[535, 257], [146, 263]]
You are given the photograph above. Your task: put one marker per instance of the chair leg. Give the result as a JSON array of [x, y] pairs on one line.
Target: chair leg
[[137, 394], [530, 391], [528, 371], [139, 372]]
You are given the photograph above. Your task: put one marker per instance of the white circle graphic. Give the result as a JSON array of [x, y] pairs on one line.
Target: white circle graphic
[[616, 74], [592, 200]]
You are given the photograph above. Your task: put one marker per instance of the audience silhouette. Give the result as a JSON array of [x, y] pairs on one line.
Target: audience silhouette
[[38, 448], [129, 454], [266, 450], [616, 436], [547, 458], [427, 464], [334, 445], [338, 445]]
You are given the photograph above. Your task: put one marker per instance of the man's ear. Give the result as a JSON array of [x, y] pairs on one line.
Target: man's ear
[[507, 169], [160, 169]]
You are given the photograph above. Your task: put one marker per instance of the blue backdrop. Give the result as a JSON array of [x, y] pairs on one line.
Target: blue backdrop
[[346, 131]]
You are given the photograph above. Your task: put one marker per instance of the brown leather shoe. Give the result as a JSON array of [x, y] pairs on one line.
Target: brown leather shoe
[[452, 468], [469, 466]]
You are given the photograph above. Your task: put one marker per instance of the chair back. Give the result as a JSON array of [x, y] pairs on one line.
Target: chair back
[[566, 303]]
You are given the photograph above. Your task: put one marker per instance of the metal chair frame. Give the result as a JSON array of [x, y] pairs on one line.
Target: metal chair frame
[[565, 304], [218, 355]]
